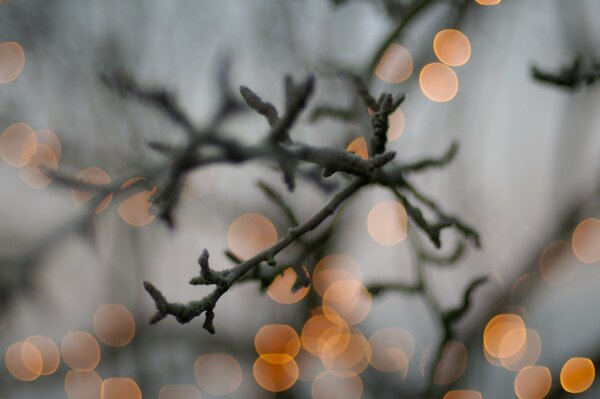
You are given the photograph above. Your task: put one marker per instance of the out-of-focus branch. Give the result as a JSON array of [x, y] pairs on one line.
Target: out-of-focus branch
[[446, 318], [409, 13], [572, 76]]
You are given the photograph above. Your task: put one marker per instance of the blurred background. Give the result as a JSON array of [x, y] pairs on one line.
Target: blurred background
[[73, 311]]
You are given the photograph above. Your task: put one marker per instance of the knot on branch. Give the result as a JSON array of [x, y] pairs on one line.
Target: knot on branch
[[385, 106], [184, 313], [159, 301], [207, 275]]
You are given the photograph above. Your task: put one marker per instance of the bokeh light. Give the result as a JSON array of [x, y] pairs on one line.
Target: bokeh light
[[49, 352], [585, 240], [325, 336], [12, 61], [452, 363], [348, 299], [527, 356], [23, 361], [277, 339], [114, 324], [504, 335], [577, 374], [359, 147], [388, 223], [488, 2], [557, 263], [341, 385], [393, 349], [120, 388], [135, 210], [333, 268], [463, 395], [80, 350], [32, 172], [452, 47], [83, 384], [179, 392], [218, 373], [97, 177], [280, 290], [275, 377], [533, 382], [397, 123], [396, 64], [18, 144], [250, 234], [355, 357], [48, 137], [438, 82]]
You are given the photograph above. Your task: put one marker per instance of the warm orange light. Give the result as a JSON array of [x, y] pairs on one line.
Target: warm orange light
[[527, 356], [452, 364], [179, 392], [33, 172], [275, 377], [325, 336], [23, 361], [48, 137], [438, 82], [533, 382], [393, 348], [114, 324], [452, 47], [277, 339], [577, 374], [505, 335], [355, 357], [463, 395], [585, 240], [83, 385], [280, 289], [488, 2], [12, 61], [341, 385], [388, 223], [396, 125], [95, 176], [250, 234], [80, 351], [333, 268], [359, 147], [348, 299], [218, 373], [135, 210], [557, 263], [396, 65], [18, 144], [120, 388], [49, 352]]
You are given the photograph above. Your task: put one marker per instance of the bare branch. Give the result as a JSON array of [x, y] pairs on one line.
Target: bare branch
[[262, 107]]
